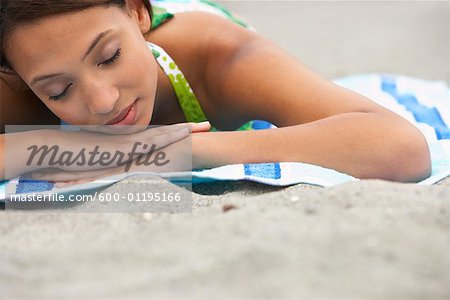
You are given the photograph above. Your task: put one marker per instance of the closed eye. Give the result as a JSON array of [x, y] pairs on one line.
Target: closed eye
[[107, 62], [60, 96], [114, 58]]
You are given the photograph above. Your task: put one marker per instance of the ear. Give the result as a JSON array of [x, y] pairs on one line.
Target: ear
[[137, 10]]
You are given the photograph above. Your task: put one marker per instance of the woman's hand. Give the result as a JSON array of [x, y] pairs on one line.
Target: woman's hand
[[179, 153], [63, 178], [28, 151]]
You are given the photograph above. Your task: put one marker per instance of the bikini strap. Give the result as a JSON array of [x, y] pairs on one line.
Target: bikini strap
[[186, 98]]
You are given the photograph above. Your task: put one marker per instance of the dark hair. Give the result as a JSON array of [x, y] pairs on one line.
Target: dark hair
[[17, 12]]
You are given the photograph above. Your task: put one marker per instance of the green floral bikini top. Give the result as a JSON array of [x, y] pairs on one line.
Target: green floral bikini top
[[188, 101]]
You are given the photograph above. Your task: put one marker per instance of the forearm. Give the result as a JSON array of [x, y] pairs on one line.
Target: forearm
[[27, 151], [364, 145], [14, 154]]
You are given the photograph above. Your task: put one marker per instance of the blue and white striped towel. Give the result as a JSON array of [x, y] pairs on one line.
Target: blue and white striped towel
[[424, 103]]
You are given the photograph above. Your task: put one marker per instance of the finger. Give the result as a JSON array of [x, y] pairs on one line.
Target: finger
[[62, 184], [53, 176], [169, 128], [201, 127], [192, 126], [58, 176], [198, 127], [150, 141], [67, 176], [164, 139]]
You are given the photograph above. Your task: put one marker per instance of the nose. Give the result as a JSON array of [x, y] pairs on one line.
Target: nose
[[101, 98]]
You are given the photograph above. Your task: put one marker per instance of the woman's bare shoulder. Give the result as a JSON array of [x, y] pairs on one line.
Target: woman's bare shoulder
[[247, 76], [192, 35], [200, 42]]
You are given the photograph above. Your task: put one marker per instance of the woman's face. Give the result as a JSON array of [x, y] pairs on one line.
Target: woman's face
[[91, 83]]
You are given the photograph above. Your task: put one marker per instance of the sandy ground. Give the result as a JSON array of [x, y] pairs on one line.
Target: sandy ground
[[362, 240]]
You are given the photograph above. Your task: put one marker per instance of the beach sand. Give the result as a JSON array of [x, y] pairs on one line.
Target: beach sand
[[362, 240], [370, 239]]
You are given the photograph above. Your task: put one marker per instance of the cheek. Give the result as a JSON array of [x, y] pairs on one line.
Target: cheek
[[142, 68], [67, 113]]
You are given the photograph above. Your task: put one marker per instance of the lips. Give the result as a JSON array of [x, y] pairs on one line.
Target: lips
[[125, 117]]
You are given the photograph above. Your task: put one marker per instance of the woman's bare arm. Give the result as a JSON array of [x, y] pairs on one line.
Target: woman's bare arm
[[322, 123]]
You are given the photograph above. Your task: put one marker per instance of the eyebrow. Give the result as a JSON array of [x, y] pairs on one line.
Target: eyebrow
[[91, 47]]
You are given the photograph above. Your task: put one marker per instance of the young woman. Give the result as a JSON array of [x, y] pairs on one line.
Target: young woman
[[120, 62]]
